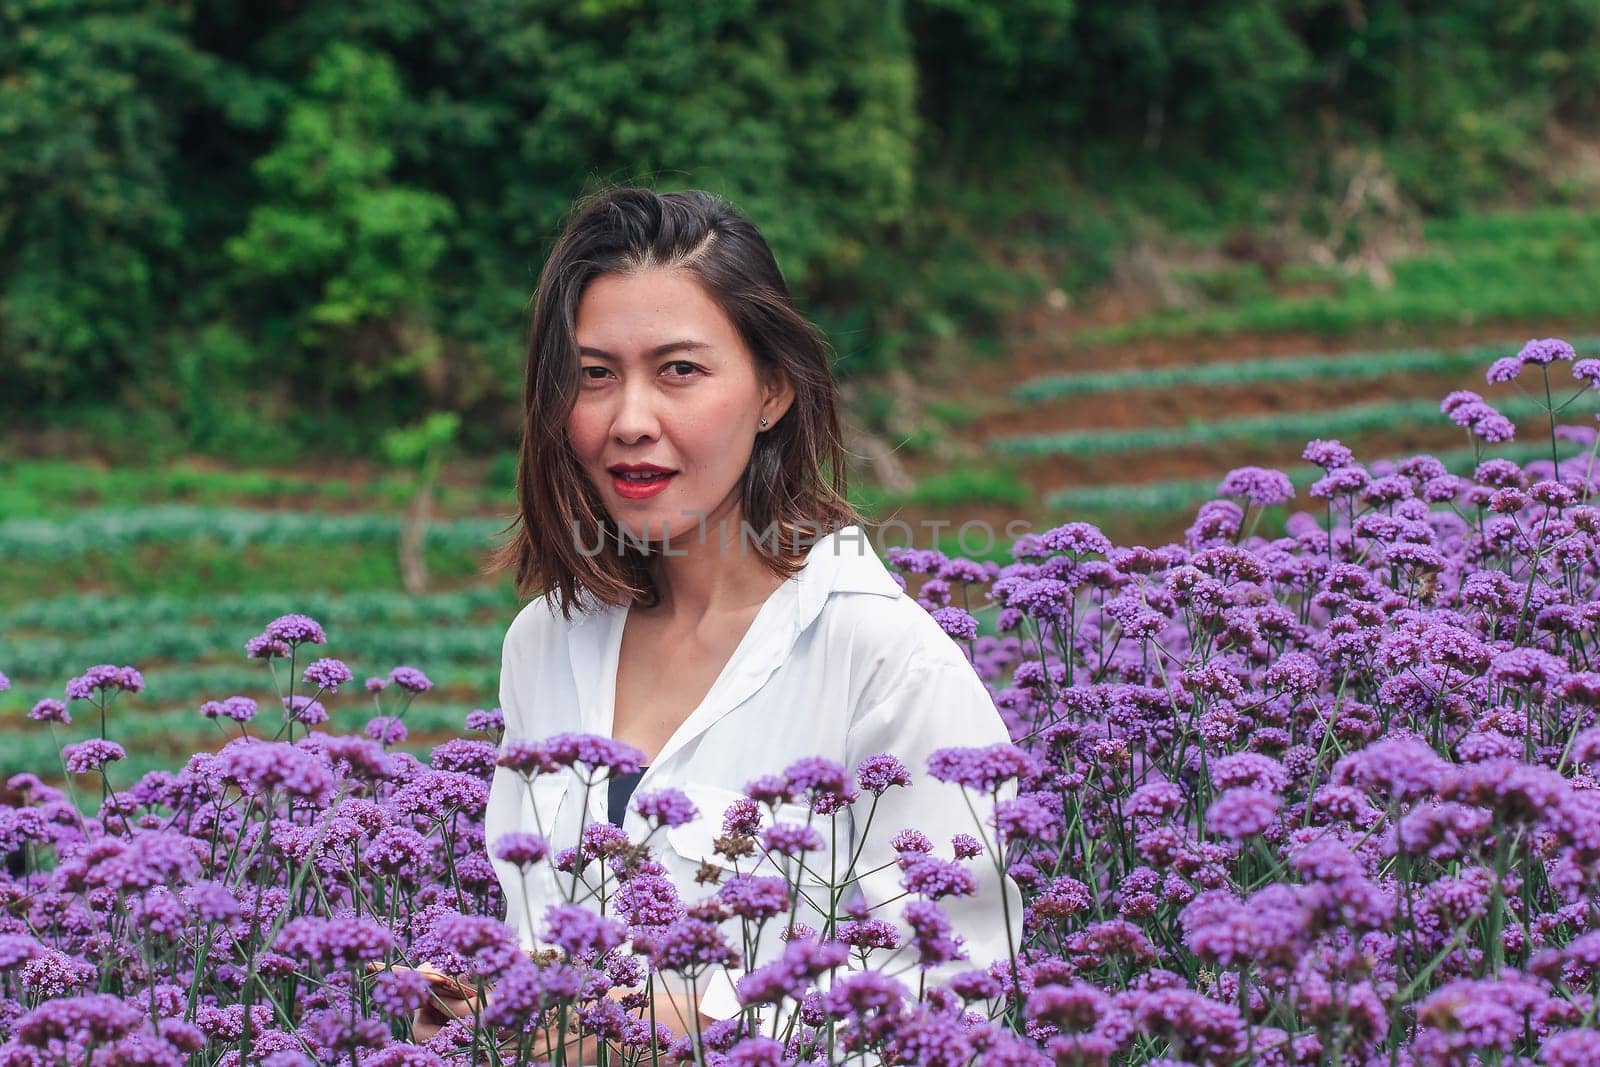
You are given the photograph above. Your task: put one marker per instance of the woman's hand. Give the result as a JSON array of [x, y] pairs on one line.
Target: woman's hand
[[443, 1007]]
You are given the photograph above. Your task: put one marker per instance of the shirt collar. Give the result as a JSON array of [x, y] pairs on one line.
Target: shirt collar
[[840, 562]]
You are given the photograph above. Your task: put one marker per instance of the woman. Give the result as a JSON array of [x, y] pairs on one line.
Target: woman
[[708, 594]]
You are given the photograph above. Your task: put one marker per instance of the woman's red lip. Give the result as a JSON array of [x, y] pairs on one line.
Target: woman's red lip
[[630, 490]]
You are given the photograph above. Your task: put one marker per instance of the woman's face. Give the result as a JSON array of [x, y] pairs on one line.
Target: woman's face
[[666, 381]]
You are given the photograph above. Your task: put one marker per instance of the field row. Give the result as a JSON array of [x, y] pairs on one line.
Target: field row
[[1298, 426], [235, 611], [1512, 267], [59, 488], [375, 648], [114, 529], [1288, 368], [1168, 497], [164, 739]]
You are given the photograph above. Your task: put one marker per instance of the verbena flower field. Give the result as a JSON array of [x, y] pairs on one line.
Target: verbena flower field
[[1326, 798]]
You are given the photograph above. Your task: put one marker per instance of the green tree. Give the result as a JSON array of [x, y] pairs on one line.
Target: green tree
[[89, 115], [333, 226]]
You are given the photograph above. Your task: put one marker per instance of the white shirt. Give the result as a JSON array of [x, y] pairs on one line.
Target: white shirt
[[839, 662]]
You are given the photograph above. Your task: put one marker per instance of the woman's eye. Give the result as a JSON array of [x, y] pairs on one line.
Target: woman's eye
[[682, 363], [588, 376]]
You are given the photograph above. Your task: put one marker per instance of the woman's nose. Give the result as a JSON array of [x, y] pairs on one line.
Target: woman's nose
[[635, 416]]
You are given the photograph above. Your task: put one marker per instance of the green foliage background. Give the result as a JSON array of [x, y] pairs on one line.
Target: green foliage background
[[260, 230]]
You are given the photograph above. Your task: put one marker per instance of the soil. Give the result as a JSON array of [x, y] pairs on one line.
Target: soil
[[1176, 407], [1044, 342]]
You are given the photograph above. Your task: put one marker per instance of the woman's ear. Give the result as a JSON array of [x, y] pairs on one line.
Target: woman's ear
[[777, 394]]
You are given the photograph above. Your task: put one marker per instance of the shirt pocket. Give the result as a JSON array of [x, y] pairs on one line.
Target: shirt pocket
[[542, 807], [820, 867], [694, 842]]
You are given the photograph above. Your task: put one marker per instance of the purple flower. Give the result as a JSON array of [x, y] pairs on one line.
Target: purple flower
[[1156, 800], [410, 679], [385, 729], [1587, 370], [212, 902], [931, 934], [791, 839], [789, 976], [334, 943], [917, 561], [328, 674], [1504, 370], [48, 710], [689, 945], [580, 932], [1545, 351], [1024, 817], [1251, 769], [1241, 813], [397, 850], [754, 896], [400, 993], [1341, 481], [877, 773], [267, 766], [1443, 832], [911, 840], [82, 1021], [303, 709], [1472, 1015], [91, 755], [466, 756], [982, 769], [1327, 454], [814, 774], [486, 721], [558, 751], [934, 878], [860, 994], [262, 646], [1077, 539], [522, 849], [957, 623], [1260, 486], [437, 795], [1571, 1048], [665, 807], [237, 708], [1494, 428], [475, 945], [1528, 668], [295, 630], [55, 974], [1201, 1030], [1396, 770], [869, 934], [104, 678]]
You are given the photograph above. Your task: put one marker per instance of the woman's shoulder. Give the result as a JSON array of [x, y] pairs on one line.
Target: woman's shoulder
[[887, 640], [539, 624]]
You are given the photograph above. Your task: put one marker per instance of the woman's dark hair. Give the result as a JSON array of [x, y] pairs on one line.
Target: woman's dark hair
[[794, 485]]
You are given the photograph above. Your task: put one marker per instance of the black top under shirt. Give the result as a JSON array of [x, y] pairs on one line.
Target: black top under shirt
[[620, 791]]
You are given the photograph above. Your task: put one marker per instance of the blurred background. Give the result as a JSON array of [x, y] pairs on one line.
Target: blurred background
[[265, 272]]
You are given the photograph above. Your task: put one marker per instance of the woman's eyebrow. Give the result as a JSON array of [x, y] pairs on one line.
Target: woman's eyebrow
[[655, 353]]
